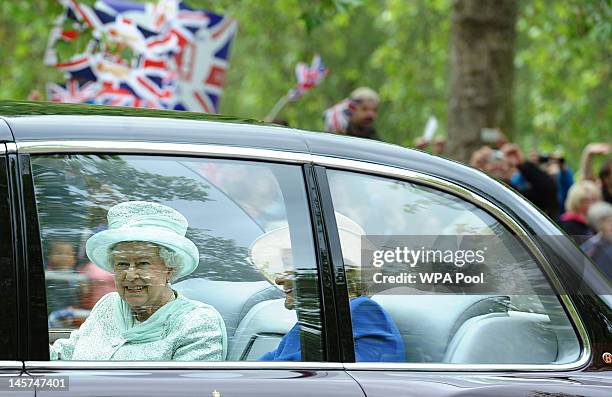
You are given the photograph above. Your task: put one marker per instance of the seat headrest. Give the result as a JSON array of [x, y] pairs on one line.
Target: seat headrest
[[232, 299], [502, 339]]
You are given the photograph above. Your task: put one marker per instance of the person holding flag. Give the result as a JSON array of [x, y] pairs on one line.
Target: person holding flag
[[354, 116]]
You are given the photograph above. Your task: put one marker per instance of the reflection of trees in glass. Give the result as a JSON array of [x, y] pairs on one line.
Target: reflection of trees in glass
[[425, 198], [221, 259], [467, 229], [74, 192], [417, 206], [135, 184], [60, 194], [307, 306]]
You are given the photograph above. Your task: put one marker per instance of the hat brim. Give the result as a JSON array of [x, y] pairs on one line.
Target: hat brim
[[270, 253], [98, 245]]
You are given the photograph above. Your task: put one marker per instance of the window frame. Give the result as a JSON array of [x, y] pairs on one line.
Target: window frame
[[12, 352], [38, 356], [432, 182], [279, 156]]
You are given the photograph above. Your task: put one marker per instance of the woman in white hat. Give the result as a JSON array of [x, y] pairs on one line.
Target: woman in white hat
[[145, 319], [375, 334]]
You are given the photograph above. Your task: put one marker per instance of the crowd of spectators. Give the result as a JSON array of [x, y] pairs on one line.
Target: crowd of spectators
[[581, 206]]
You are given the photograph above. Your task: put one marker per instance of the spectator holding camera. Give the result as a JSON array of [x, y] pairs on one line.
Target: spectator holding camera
[[510, 166], [604, 177], [555, 165]]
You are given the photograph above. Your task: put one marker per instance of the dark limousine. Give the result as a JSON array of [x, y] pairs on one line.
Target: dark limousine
[[305, 243]]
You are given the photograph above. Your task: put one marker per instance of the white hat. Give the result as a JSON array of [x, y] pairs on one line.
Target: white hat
[[271, 252], [147, 222]]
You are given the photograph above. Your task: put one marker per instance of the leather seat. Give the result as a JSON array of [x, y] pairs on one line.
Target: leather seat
[[261, 330], [427, 323], [503, 339], [233, 300]]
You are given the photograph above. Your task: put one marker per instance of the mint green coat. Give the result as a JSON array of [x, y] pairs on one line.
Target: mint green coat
[[182, 329]]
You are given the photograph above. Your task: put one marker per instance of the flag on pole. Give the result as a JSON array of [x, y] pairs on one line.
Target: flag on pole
[[308, 77], [160, 55]]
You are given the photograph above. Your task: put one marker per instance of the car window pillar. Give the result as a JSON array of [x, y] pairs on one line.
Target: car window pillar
[[336, 319], [9, 241], [32, 298]]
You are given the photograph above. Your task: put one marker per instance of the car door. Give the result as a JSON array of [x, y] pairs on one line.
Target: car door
[[11, 366], [513, 334], [238, 209]]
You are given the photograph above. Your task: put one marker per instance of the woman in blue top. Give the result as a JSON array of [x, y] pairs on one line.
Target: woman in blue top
[[375, 335]]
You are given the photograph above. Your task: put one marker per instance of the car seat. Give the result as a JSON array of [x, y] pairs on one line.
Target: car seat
[[427, 323], [233, 300]]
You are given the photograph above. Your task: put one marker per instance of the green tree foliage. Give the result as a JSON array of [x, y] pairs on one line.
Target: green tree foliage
[[24, 31], [563, 81], [399, 47]]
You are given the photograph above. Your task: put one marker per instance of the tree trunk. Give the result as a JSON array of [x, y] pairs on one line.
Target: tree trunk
[[481, 72]]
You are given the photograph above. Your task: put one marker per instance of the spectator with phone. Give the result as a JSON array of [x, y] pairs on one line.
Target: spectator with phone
[[556, 166], [536, 185]]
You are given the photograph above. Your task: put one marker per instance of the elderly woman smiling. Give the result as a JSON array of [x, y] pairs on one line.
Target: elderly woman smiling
[[145, 247]]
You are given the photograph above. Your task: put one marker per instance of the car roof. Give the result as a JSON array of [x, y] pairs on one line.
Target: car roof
[[47, 121]]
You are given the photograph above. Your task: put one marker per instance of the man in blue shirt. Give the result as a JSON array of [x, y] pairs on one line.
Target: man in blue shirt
[[375, 335]]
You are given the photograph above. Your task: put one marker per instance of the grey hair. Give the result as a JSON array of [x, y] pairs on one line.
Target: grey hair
[[598, 213], [170, 257]]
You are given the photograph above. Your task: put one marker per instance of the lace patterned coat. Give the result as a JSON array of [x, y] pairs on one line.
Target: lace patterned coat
[[182, 329]]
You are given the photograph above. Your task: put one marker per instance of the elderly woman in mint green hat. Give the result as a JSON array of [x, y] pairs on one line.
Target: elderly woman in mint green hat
[[146, 249]]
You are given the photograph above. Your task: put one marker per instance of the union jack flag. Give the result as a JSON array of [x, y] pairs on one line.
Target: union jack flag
[[307, 77], [202, 65], [179, 60], [72, 92], [123, 96], [336, 118]]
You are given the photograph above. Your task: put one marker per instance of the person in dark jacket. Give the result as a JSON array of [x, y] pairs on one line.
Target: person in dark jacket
[[509, 165]]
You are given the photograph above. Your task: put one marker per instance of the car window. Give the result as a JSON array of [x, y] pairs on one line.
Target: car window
[[435, 279], [255, 277]]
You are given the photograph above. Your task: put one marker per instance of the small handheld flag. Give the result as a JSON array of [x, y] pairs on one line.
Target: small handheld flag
[[307, 77]]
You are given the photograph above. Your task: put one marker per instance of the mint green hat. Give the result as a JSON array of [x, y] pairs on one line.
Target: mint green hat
[[147, 222]]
